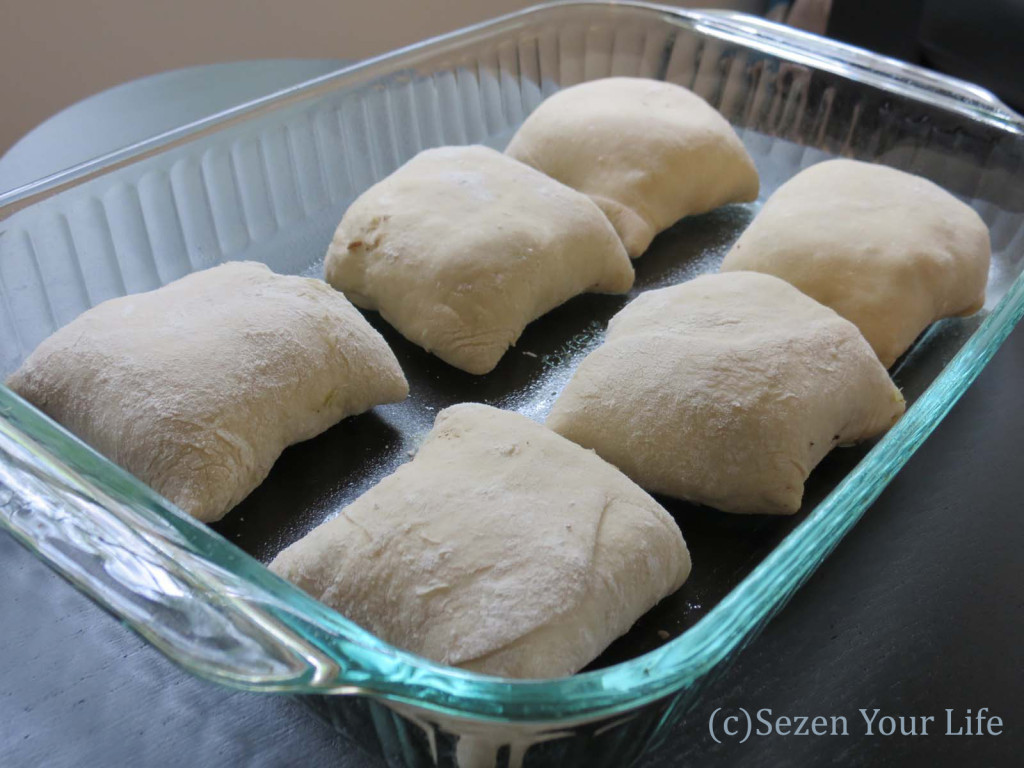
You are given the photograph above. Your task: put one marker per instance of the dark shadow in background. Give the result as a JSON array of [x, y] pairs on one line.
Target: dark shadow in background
[[976, 40]]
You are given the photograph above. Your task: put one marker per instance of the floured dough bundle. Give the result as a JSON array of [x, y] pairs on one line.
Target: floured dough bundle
[[726, 390], [889, 251], [501, 548], [647, 152], [197, 387], [461, 247]]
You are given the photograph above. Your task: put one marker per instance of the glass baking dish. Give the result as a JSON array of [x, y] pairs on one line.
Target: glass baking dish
[[269, 180]]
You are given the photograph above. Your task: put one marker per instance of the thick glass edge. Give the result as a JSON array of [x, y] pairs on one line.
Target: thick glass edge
[[366, 665], [862, 65], [388, 673]]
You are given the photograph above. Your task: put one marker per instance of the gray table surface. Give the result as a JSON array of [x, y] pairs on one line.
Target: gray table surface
[[921, 608]]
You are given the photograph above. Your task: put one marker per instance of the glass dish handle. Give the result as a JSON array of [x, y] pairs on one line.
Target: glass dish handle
[[144, 570], [842, 58]]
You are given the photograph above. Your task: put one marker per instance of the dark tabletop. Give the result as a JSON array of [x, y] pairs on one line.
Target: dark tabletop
[[919, 610]]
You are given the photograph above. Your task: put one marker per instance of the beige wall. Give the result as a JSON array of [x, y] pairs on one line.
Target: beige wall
[[55, 52]]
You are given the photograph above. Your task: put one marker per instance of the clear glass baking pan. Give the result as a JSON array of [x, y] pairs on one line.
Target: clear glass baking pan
[[269, 181]]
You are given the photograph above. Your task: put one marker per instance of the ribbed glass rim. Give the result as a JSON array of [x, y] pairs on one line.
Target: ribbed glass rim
[[367, 665]]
